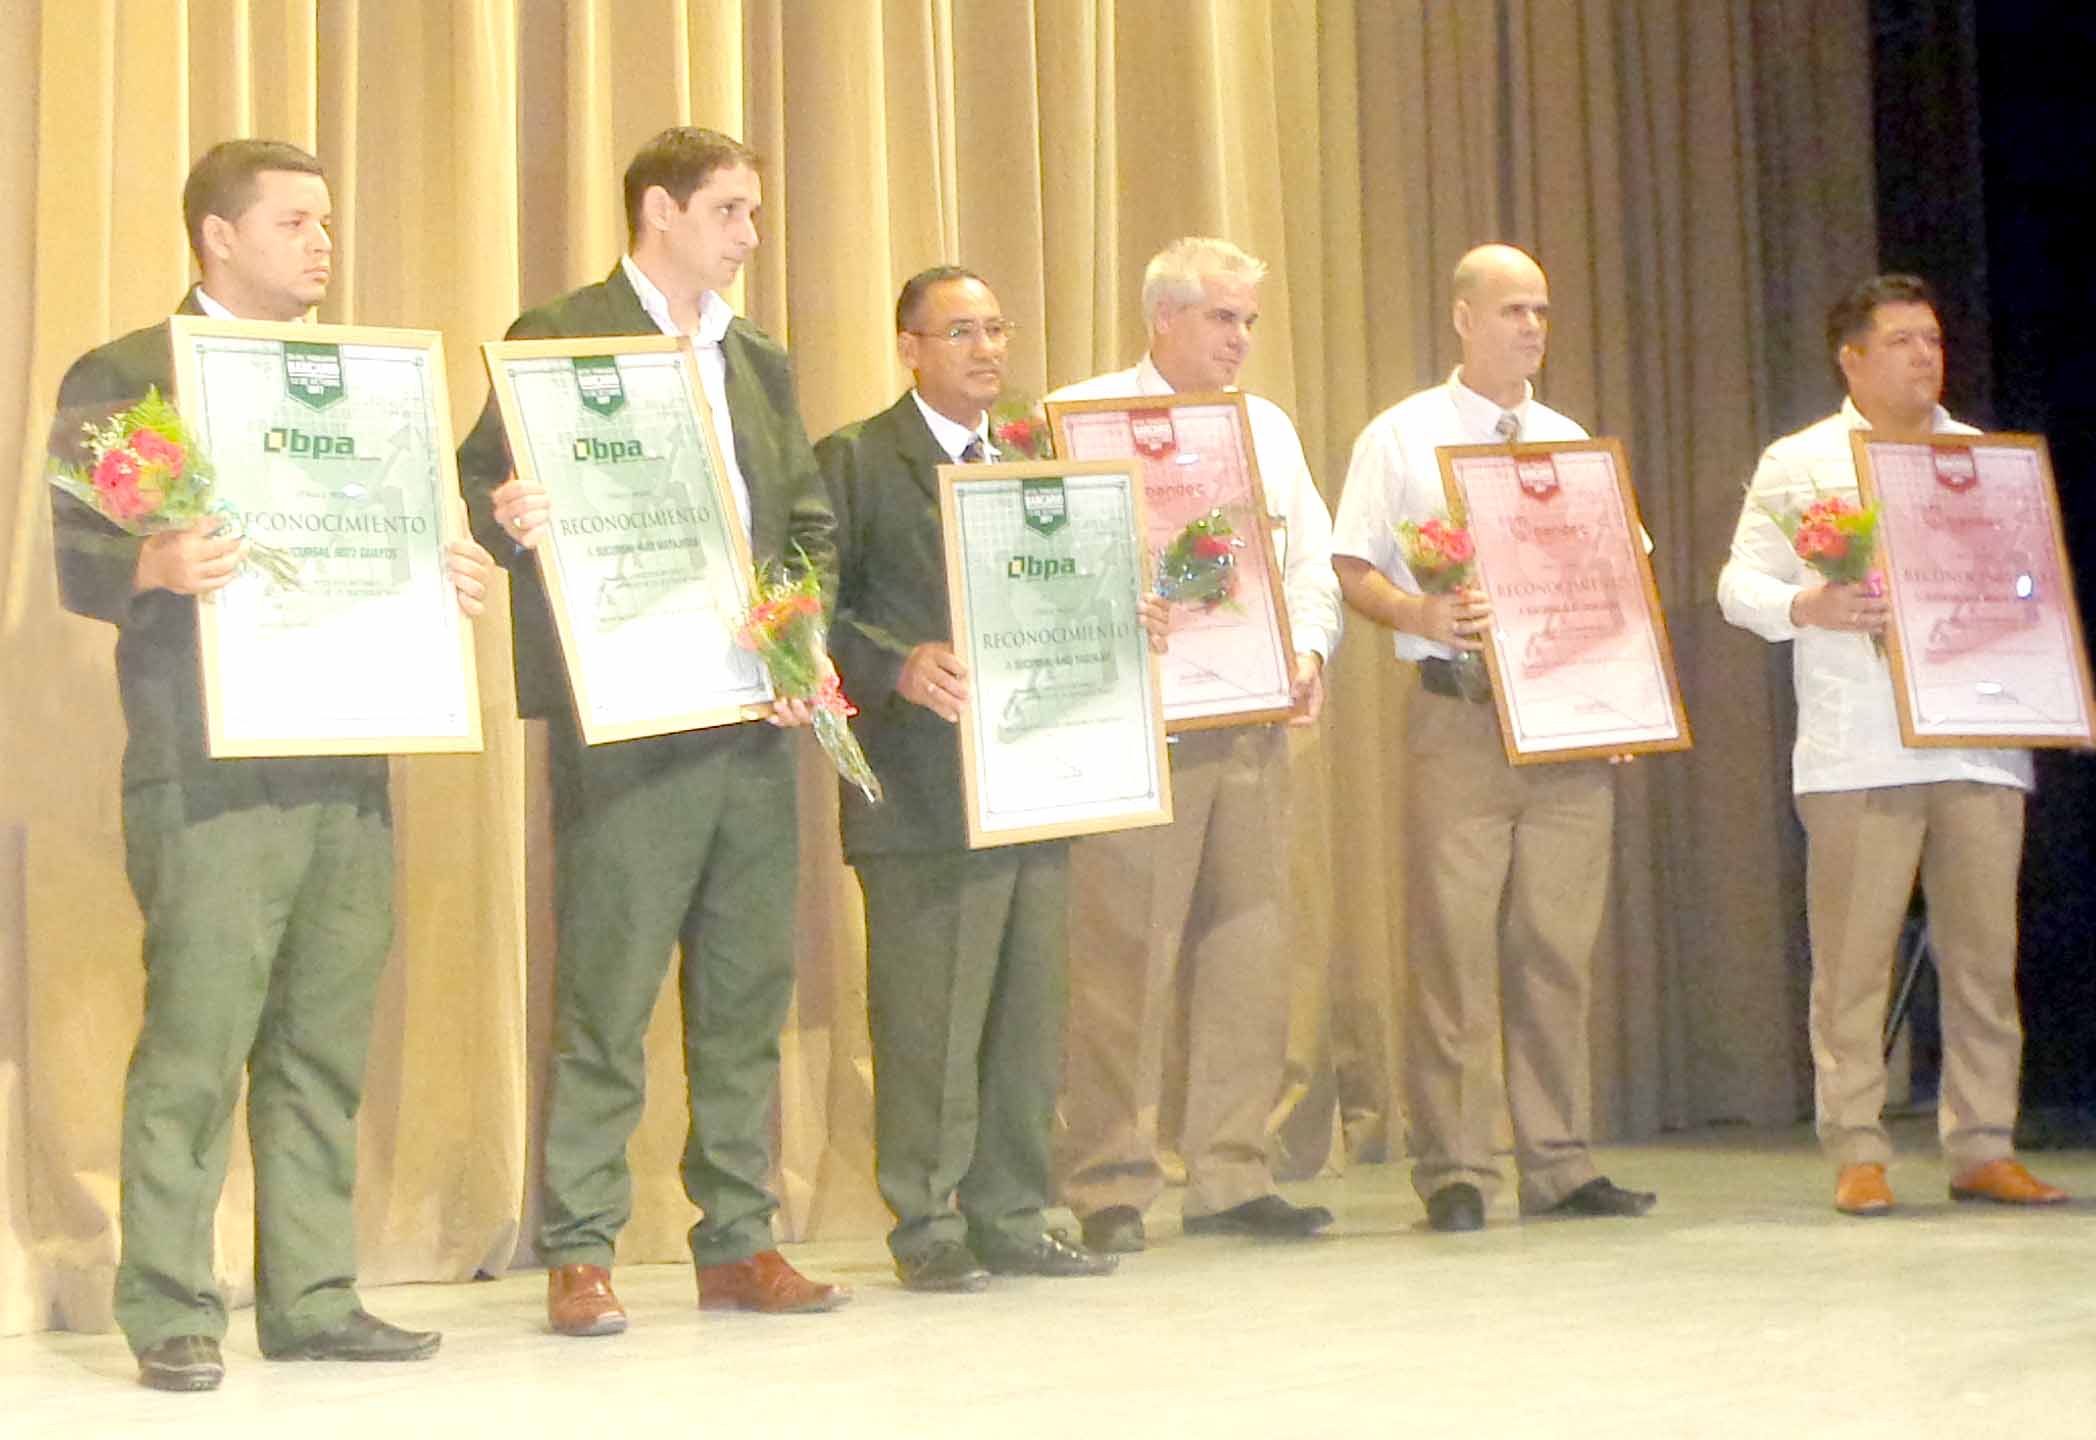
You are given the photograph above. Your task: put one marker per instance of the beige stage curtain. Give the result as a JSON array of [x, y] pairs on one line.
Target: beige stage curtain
[[1695, 176]]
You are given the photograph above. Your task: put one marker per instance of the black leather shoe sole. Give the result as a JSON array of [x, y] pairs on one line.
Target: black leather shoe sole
[[1456, 1208], [1116, 1230], [1269, 1217], [949, 1269], [184, 1363]]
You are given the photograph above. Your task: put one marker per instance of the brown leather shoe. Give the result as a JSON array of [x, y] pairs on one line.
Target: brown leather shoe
[[2005, 1182], [579, 1301], [765, 1282], [1861, 1190]]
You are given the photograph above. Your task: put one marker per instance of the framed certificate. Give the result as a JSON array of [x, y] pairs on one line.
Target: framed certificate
[[1211, 547], [332, 443], [1985, 641], [647, 567], [1063, 733], [1578, 652]]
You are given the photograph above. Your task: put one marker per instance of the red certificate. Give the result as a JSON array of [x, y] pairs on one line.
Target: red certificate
[[1985, 640], [1231, 661], [1580, 662]]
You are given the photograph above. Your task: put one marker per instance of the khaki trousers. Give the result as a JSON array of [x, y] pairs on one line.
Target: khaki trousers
[[1864, 847], [1170, 925], [1507, 886]]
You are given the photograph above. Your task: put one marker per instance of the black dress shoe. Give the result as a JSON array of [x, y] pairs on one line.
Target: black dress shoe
[[1269, 1216], [363, 1336], [948, 1268], [1049, 1253], [1602, 1196], [181, 1362], [1456, 1207], [1116, 1230]]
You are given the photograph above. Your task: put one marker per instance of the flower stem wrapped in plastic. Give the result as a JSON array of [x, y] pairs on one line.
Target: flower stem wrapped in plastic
[[1442, 557], [1839, 540], [145, 474], [784, 629]]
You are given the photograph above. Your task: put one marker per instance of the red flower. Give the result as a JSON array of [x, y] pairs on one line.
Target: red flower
[[1015, 435], [153, 448], [1212, 547], [1819, 540], [118, 470], [1457, 546]]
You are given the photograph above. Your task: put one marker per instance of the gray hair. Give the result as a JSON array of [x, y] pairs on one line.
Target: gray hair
[[1176, 274]]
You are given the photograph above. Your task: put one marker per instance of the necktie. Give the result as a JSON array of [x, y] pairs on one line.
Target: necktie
[[1509, 428], [974, 455]]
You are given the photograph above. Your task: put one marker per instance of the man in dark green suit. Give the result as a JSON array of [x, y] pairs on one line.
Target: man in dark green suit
[[266, 885], [685, 842], [965, 948]]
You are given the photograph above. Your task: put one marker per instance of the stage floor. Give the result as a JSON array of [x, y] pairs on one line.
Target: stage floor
[[1742, 1306]]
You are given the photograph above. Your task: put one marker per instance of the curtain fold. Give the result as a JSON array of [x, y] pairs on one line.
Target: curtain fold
[[1695, 176]]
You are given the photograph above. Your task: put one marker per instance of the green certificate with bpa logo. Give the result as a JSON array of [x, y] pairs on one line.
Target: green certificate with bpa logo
[[647, 567], [331, 445], [1063, 733]]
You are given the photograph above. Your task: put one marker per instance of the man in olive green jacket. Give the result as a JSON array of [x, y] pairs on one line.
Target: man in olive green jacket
[[684, 842], [266, 884]]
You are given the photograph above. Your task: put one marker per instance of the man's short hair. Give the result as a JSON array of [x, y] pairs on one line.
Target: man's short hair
[[1849, 319], [681, 160], [1176, 275], [223, 182], [909, 305]]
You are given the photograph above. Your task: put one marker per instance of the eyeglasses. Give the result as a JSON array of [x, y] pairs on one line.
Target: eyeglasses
[[964, 333]]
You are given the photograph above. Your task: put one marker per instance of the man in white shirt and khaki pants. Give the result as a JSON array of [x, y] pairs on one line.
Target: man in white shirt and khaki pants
[[1507, 879], [1876, 811]]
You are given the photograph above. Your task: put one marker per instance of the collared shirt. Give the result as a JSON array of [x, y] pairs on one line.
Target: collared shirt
[[1302, 541], [714, 315], [211, 307], [1848, 724], [1395, 475], [952, 435]]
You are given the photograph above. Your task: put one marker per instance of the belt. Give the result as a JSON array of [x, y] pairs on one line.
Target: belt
[[1444, 677]]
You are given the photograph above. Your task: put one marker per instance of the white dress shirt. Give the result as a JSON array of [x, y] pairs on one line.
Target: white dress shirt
[[1303, 541], [952, 435], [714, 316], [1395, 475], [1848, 726]]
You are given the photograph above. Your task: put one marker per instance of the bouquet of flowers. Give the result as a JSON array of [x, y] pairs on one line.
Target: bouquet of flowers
[[146, 475], [784, 629], [1442, 557], [1199, 567], [1020, 431], [1839, 539]]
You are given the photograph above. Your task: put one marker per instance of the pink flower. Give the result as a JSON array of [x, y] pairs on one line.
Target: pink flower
[[116, 471], [1212, 547], [153, 448]]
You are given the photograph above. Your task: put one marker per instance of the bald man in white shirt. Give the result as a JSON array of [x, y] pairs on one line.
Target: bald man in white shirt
[[1876, 812], [1508, 875], [1187, 919]]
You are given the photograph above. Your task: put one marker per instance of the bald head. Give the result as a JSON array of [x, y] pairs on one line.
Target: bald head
[[1489, 265], [1501, 313]]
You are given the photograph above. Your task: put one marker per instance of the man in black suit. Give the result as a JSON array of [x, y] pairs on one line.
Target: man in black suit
[[266, 885], [685, 842], [965, 948]]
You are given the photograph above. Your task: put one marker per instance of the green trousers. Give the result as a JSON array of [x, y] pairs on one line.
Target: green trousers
[[966, 989], [684, 844], [266, 929]]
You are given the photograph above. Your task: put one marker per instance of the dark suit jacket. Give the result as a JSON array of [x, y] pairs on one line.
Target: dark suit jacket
[[158, 671], [787, 508], [891, 597]]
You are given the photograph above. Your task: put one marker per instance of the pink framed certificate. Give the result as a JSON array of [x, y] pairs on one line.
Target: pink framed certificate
[[1986, 640], [1578, 652], [1211, 546]]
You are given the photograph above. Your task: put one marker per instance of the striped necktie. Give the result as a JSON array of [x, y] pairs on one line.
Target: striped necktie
[[974, 454]]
